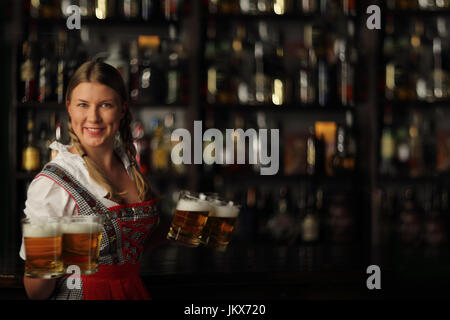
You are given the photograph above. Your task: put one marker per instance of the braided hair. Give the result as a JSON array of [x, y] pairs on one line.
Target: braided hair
[[107, 75]]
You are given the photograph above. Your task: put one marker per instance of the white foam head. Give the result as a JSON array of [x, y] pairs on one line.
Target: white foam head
[[76, 228], [41, 230], [193, 205], [223, 210]]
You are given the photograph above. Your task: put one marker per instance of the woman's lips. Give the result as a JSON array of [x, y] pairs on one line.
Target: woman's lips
[[94, 131]]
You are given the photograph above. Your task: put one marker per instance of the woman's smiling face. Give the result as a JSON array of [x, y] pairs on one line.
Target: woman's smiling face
[[95, 111]]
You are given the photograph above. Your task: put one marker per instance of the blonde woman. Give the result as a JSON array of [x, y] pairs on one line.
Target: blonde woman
[[97, 175]]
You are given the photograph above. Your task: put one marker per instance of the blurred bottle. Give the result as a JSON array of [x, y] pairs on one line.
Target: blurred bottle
[[117, 60], [281, 7], [43, 143], [28, 71], [56, 127], [310, 227], [265, 209], [403, 151], [315, 154], [171, 9], [48, 9], [149, 9], [173, 74], [306, 77], [416, 164], [346, 69], [410, 220], [61, 68], [387, 145], [280, 83], [134, 72], [282, 224], [344, 160], [440, 81], [47, 73], [159, 149], [30, 152], [152, 84], [142, 147], [435, 225], [341, 220], [348, 7], [129, 9], [307, 6], [104, 9]]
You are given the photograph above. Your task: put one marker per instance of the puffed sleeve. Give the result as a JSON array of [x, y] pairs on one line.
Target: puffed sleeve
[[45, 198]]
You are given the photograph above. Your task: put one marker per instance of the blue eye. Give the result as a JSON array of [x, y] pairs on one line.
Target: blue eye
[[82, 104], [108, 105]]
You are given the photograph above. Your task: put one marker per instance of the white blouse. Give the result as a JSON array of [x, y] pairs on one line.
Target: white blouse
[[45, 198]]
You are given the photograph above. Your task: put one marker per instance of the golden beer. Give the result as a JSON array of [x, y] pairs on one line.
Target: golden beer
[[219, 228], [81, 242], [43, 242], [189, 219]]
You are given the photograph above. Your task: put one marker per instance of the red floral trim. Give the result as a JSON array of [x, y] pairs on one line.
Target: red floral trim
[[43, 175], [132, 205]]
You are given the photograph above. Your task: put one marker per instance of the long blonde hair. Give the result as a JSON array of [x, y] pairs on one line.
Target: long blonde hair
[[107, 75]]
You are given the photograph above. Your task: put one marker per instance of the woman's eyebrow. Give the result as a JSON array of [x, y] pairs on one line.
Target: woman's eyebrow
[[102, 101]]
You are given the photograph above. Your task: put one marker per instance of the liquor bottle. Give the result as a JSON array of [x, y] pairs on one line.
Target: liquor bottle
[[43, 144], [349, 7], [387, 145], [261, 82], [30, 152], [310, 227], [116, 59], [337, 161], [323, 77], [410, 219], [416, 165], [142, 147], [281, 7], [282, 224], [149, 9], [171, 9], [403, 151], [315, 154], [159, 149], [173, 73], [61, 68], [279, 80], [306, 77], [46, 75], [48, 9], [435, 226], [151, 84], [104, 9], [307, 6], [344, 161], [129, 9], [346, 72], [440, 83], [134, 72], [56, 125], [28, 73]]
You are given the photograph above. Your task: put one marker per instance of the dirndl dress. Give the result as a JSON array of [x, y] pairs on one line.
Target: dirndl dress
[[126, 227]]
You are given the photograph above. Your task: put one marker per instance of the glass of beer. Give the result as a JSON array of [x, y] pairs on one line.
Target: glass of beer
[[189, 219], [81, 237], [43, 242], [218, 229]]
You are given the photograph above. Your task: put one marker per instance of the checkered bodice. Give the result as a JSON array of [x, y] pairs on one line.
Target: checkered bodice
[[126, 226]]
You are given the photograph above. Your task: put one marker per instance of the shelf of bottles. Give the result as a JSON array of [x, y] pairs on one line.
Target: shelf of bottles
[[411, 195], [287, 65], [147, 41]]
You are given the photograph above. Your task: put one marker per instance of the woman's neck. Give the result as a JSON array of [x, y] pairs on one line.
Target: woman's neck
[[105, 158]]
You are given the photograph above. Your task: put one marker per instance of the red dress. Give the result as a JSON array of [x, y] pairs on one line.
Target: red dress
[[125, 230]]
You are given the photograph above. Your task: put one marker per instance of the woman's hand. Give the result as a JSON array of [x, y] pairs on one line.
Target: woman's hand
[[39, 289]]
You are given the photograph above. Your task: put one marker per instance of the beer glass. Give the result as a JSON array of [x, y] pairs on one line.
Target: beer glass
[[218, 229], [43, 241], [81, 242], [189, 219]]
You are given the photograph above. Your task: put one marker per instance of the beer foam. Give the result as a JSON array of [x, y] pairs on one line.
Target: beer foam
[[75, 227], [41, 231], [193, 205], [226, 211]]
